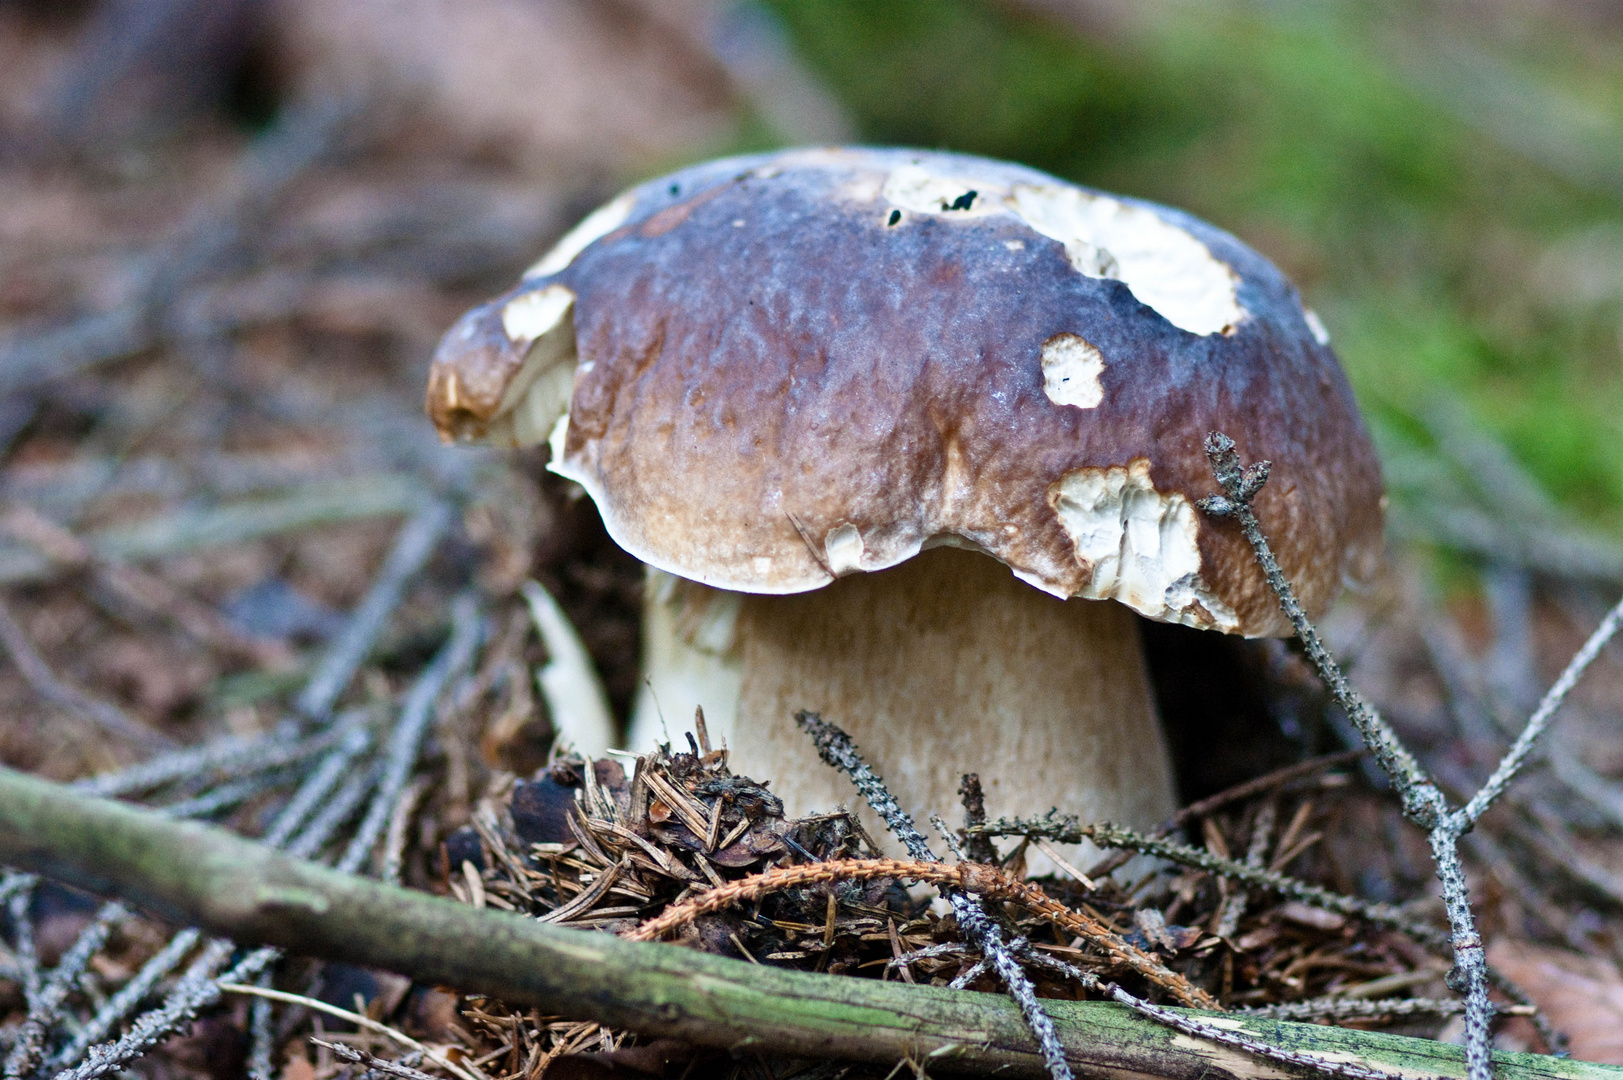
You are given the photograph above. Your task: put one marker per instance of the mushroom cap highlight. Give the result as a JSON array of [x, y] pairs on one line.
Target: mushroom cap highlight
[[774, 370]]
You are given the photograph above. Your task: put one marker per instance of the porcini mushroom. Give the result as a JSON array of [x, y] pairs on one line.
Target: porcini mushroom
[[785, 379]]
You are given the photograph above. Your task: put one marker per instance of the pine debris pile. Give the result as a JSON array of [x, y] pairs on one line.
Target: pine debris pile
[[584, 844]]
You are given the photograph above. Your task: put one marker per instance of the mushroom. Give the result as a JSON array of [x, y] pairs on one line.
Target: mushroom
[[886, 426]]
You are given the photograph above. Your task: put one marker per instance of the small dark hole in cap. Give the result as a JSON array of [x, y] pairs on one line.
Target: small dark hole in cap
[[964, 201], [676, 189], [895, 216]]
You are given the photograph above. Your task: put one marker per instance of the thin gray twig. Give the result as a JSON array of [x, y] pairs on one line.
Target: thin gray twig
[[44, 1010], [49, 686], [1540, 720], [836, 749], [412, 547], [261, 1034], [1189, 1025], [225, 758], [418, 712], [1065, 829], [22, 931], [372, 1061], [199, 986], [1423, 800], [1356, 1009], [131, 994]]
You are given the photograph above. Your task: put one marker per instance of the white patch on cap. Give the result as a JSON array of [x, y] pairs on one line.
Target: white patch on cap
[[843, 548], [593, 227], [1315, 326], [1071, 370], [530, 315], [1166, 267], [1139, 545], [915, 188]]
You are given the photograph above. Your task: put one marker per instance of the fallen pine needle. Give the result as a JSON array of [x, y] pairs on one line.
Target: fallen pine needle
[[353, 1017]]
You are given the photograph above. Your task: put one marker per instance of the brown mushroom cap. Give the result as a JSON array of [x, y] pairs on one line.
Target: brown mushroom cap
[[794, 366]]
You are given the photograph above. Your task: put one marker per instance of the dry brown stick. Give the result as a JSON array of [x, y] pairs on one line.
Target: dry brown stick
[[1265, 782], [974, 878], [977, 846]]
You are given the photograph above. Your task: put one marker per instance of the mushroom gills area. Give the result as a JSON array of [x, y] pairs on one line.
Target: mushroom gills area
[[943, 665]]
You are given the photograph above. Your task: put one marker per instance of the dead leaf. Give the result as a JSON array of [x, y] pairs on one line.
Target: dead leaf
[[298, 1067], [1582, 995]]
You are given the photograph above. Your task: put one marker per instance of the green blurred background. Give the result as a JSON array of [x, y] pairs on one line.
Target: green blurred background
[[1444, 182]]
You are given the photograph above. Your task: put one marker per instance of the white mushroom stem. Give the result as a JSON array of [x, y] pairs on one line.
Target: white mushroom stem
[[944, 665]]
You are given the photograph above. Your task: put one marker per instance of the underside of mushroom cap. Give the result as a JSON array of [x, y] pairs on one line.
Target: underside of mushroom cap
[[790, 367]]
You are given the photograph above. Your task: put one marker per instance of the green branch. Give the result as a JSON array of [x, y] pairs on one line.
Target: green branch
[[199, 875]]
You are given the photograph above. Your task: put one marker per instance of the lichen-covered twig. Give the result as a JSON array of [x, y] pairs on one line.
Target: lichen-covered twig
[[1337, 1008], [416, 542], [128, 997], [43, 1007], [49, 686], [372, 1062], [1200, 1028], [224, 758], [836, 749], [261, 1034], [405, 745], [1423, 800], [1519, 751], [22, 937], [247, 765], [1269, 781], [351, 739], [200, 986]]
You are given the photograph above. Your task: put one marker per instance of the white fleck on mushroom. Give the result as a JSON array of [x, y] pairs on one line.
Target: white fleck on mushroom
[[1071, 370]]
